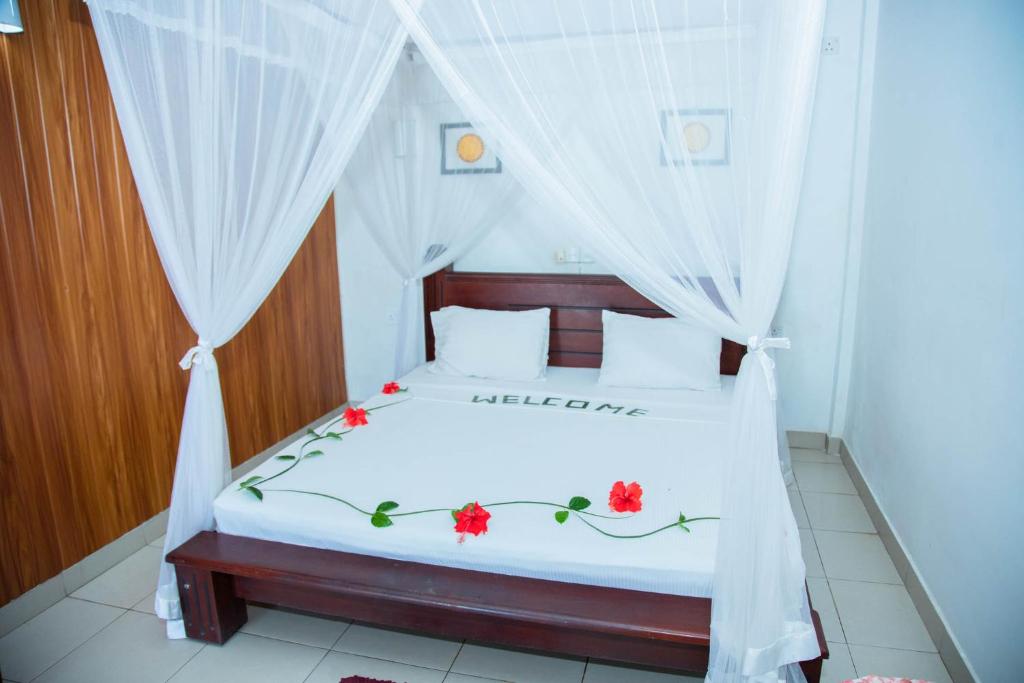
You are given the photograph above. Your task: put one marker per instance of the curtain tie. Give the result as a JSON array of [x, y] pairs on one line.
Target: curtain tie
[[197, 355], [758, 346]]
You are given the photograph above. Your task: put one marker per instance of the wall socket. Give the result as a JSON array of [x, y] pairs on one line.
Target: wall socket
[[830, 45], [572, 255]]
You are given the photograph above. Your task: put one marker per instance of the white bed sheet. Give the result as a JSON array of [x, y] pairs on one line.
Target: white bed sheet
[[448, 445]]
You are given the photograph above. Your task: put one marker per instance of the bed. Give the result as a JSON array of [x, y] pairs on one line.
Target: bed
[[332, 534]]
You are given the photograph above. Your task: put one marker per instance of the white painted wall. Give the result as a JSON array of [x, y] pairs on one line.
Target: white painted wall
[[811, 307], [937, 384], [526, 241]]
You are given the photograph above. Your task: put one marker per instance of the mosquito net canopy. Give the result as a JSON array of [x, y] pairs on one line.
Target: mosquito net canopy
[[666, 136]]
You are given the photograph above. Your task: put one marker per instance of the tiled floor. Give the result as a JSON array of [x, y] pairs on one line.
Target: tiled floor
[[106, 630]]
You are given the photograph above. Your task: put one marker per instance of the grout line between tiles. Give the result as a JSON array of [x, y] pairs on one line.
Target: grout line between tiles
[[353, 654], [107, 604], [80, 645], [185, 663], [462, 644], [835, 606], [898, 649], [292, 642], [318, 663], [284, 640], [340, 635]]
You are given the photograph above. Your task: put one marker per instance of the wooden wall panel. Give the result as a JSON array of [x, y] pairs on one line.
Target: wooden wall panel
[[90, 334]]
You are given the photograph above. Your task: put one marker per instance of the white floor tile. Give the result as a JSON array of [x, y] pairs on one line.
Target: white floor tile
[[340, 664], [94, 564], [133, 649], [839, 666], [812, 455], [251, 659], [797, 503], [823, 478], [398, 646], [127, 582], [295, 627], [837, 512], [902, 663], [465, 678], [855, 557], [30, 604], [879, 614], [611, 673], [39, 643], [812, 561], [522, 667], [821, 601], [146, 604]]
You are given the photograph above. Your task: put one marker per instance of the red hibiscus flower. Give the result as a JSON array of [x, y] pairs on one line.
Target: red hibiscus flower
[[391, 388], [354, 417], [624, 498], [471, 519]]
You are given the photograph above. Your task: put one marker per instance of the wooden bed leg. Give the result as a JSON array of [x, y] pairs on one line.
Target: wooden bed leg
[[209, 606], [812, 669]]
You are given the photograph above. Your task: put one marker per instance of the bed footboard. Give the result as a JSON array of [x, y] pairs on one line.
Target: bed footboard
[[217, 573]]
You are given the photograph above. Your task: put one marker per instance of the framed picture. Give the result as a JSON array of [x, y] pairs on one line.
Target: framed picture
[[463, 150], [704, 133]]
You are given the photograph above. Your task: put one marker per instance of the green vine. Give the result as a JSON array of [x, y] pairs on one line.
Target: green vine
[[383, 515]]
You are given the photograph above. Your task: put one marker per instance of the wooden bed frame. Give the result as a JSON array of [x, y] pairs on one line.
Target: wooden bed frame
[[218, 573]]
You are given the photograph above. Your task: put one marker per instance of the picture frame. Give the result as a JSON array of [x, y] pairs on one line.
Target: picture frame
[[464, 151], [704, 132]]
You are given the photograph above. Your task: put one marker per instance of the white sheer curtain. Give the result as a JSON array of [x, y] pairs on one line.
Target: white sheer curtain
[[238, 118], [670, 136], [420, 218]]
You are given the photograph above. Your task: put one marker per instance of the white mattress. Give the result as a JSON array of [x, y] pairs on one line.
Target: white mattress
[[448, 445]]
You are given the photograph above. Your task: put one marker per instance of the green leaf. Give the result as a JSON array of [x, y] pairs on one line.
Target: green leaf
[[455, 513], [313, 454], [333, 435], [682, 518], [561, 516], [255, 491], [684, 528], [285, 457], [312, 432], [578, 503], [249, 482], [380, 520], [387, 506]]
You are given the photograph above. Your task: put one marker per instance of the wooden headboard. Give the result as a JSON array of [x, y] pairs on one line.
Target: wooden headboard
[[575, 301]]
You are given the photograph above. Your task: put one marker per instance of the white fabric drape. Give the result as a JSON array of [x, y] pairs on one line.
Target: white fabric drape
[[670, 137], [238, 119], [421, 219]]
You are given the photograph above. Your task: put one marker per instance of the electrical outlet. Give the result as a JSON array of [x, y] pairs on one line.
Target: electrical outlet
[[830, 45], [572, 255]]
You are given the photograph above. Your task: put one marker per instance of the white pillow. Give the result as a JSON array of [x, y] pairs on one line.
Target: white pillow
[[658, 353], [475, 342]]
